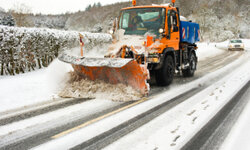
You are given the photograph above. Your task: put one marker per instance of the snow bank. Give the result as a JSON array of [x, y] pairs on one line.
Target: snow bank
[[238, 137], [206, 50], [33, 87], [83, 88], [26, 49], [23, 90]]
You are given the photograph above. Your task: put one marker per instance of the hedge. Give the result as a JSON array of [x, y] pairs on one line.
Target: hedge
[[27, 49]]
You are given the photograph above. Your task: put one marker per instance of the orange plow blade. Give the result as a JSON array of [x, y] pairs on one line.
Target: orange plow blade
[[111, 70]]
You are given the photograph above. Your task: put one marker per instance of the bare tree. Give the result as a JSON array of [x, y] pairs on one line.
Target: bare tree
[[20, 12]]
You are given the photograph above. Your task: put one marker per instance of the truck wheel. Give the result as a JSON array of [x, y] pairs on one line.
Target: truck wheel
[[189, 72], [165, 75]]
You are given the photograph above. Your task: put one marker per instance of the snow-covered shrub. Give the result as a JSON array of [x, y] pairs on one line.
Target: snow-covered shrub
[[26, 49], [97, 28]]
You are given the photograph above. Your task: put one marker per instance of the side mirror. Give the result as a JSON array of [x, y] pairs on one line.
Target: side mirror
[[175, 29]]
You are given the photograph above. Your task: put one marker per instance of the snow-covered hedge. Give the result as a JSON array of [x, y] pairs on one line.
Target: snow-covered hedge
[[26, 49]]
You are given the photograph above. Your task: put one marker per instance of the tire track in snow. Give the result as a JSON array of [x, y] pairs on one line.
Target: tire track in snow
[[215, 131], [38, 134], [26, 113]]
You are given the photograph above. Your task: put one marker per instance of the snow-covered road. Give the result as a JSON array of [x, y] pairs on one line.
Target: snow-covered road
[[219, 72]]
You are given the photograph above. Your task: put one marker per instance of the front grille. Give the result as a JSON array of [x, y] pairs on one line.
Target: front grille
[[237, 46]]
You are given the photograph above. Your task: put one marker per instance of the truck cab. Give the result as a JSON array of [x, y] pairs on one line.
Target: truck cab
[[160, 21]]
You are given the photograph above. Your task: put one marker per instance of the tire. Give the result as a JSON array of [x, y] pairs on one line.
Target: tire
[[165, 75], [189, 72]]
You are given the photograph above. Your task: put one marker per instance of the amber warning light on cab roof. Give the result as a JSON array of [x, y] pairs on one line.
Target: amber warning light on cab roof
[[134, 2], [173, 1]]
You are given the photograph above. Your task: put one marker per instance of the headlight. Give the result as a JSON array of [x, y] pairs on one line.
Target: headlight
[[111, 31], [154, 60], [161, 30], [242, 46], [231, 46]]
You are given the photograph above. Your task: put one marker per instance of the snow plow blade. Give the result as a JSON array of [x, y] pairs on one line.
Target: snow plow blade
[[110, 70]]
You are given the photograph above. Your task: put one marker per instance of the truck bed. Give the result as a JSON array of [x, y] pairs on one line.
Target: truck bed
[[189, 32]]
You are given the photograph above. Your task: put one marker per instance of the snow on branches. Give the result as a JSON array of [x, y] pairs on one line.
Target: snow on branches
[[27, 49]]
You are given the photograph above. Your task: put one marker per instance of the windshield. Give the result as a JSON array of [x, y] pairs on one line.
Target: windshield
[[235, 41], [142, 20]]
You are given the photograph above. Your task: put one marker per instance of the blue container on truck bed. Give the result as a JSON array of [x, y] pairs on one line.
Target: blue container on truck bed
[[189, 32]]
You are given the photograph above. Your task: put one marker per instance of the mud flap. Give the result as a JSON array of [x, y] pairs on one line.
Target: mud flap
[[111, 70]]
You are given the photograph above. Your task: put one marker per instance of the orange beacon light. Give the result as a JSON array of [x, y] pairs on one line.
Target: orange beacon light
[[134, 2]]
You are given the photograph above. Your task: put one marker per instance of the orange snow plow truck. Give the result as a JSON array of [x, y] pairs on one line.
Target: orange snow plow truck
[[148, 42]]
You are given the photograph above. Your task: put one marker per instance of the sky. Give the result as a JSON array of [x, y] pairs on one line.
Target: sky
[[54, 6]]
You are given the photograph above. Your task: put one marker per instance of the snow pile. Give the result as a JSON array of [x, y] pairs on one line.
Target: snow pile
[[26, 49], [84, 88]]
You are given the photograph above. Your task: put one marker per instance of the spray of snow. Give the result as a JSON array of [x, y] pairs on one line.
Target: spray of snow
[[57, 75], [95, 52], [120, 39], [77, 87]]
